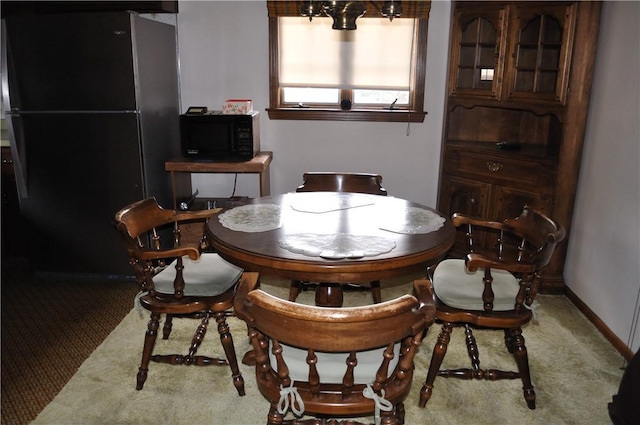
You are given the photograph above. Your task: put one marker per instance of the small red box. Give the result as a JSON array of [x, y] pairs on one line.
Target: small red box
[[237, 106]]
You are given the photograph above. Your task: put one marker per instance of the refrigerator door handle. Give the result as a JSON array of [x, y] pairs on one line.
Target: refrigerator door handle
[[6, 105], [17, 144], [17, 154]]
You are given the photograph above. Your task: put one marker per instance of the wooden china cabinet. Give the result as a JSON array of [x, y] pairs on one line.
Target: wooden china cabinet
[[518, 96]]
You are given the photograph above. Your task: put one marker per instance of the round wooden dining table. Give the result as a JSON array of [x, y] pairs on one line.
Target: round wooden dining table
[[331, 238]]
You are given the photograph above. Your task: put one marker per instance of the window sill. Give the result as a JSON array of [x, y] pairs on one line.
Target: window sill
[[394, 115]]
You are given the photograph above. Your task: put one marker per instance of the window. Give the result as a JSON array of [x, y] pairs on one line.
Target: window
[[374, 73]]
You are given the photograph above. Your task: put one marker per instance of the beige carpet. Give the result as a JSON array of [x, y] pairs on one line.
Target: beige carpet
[[575, 372]]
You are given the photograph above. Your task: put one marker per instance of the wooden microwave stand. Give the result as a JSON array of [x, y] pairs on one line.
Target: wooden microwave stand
[[181, 170]]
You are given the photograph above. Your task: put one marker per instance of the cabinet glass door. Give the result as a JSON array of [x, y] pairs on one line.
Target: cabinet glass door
[[540, 58], [476, 62]]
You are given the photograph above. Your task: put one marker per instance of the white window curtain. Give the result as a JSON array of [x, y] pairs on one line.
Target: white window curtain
[[375, 56]]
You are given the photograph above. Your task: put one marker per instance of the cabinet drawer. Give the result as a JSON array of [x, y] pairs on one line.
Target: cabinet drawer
[[498, 169]]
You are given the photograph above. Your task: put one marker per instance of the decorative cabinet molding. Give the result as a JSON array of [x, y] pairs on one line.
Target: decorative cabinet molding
[[516, 52], [478, 50], [512, 65], [539, 56]]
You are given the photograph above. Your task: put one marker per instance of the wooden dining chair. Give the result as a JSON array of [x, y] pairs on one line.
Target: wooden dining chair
[[494, 290], [340, 182], [334, 362], [178, 280]]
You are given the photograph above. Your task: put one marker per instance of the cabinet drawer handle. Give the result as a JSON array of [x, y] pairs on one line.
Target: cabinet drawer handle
[[494, 166]]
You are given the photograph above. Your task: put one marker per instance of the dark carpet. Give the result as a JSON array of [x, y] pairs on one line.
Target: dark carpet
[[49, 327]]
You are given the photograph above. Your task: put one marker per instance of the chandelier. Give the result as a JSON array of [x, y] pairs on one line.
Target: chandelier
[[345, 13]]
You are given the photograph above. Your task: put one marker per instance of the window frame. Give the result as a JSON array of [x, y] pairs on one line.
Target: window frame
[[399, 114]]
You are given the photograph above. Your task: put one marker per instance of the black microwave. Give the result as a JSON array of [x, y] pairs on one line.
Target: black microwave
[[216, 136]]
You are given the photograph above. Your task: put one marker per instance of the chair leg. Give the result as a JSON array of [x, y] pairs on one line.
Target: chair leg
[[191, 358], [274, 418], [392, 417], [375, 291], [168, 326], [508, 341], [439, 352], [522, 360], [147, 350], [294, 290], [474, 355], [401, 412], [227, 343], [196, 341]]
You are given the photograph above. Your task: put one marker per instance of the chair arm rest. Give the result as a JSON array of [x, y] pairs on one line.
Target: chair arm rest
[[423, 291], [461, 219], [248, 282], [195, 215], [474, 260], [150, 254]]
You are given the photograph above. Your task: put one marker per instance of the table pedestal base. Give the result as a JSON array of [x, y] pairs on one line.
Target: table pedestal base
[[329, 295]]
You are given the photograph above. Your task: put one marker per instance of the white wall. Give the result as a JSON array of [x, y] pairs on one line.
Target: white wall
[[221, 59], [603, 259]]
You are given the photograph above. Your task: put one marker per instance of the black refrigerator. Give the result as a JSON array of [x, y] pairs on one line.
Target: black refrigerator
[[91, 102]]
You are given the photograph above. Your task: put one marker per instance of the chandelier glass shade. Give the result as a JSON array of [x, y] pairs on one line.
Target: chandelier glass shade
[[345, 13]]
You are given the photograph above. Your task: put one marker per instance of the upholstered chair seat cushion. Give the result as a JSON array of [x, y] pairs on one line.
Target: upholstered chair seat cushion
[[208, 276], [459, 288], [332, 366]]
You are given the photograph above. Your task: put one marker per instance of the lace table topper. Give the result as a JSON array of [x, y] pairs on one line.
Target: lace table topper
[[336, 246], [265, 217], [416, 220], [322, 202], [252, 218]]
